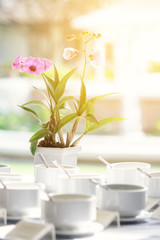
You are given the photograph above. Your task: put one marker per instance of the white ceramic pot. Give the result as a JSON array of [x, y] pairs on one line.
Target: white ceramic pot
[[64, 156], [80, 183], [154, 184], [49, 176], [69, 210], [4, 168], [127, 173], [19, 198], [128, 200]]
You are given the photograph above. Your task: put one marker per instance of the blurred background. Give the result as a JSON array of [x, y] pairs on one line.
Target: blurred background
[[131, 65]]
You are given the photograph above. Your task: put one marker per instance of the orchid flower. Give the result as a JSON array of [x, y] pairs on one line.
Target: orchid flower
[[34, 66], [47, 64], [69, 53], [19, 64], [95, 58]]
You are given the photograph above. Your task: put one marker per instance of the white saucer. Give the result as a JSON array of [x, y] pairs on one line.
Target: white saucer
[[5, 230], [141, 217], [89, 229]]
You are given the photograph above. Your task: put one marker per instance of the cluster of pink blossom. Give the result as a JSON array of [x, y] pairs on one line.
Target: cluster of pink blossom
[[32, 65]]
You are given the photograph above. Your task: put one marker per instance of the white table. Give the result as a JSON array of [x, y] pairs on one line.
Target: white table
[[148, 230]]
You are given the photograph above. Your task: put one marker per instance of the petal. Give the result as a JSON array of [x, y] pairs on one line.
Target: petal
[[15, 65], [69, 53], [34, 66], [18, 58], [47, 64]]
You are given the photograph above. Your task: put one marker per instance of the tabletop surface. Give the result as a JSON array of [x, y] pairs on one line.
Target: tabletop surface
[[149, 229], [146, 226]]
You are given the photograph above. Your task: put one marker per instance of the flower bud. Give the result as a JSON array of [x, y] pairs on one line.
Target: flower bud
[[91, 57], [98, 35], [70, 37], [85, 33]]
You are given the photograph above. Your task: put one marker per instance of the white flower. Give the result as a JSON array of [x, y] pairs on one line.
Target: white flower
[[96, 59], [69, 53]]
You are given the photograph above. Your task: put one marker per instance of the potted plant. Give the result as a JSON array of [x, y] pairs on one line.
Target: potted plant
[[50, 138]]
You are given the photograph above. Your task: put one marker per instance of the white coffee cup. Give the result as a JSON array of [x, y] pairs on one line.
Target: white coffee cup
[[69, 210], [153, 184], [128, 200], [80, 183], [8, 176], [4, 168], [19, 198], [127, 173], [49, 176]]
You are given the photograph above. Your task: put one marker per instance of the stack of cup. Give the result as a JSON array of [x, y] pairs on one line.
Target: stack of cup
[[126, 190]]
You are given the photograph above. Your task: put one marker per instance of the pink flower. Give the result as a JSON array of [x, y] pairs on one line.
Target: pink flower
[[96, 59], [47, 64], [69, 53], [34, 66], [19, 64]]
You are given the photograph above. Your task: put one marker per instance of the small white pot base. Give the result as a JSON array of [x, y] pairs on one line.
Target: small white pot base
[[64, 156]]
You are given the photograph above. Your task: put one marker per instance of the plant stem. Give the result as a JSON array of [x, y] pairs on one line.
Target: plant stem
[[51, 127], [85, 62], [72, 133], [60, 132], [73, 130], [77, 140], [67, 139]]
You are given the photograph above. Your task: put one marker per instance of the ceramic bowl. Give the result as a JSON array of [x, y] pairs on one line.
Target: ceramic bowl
[[153, 184], [4, 168], [80, 183], [49, 176], [127, 173], [8, 176], [19, 198], [128, 200], [69, 210]]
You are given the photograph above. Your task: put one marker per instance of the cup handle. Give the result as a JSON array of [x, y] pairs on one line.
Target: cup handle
[[93, 180]]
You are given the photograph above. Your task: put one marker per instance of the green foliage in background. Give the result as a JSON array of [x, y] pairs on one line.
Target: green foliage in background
[[18, 122]]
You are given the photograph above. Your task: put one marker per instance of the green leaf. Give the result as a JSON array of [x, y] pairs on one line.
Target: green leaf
[[36, 103], [56, 77], [65, 109], [104, 122], [49, 85], [89, 110], [50, 80], [39, 134], [63, 100], [62, 84], [82, 95], [42, 93], [31, 111], [64, 121], [44, 124], [83, 108], [33, 147], [101, 96], [76, 104], [91, 118]]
